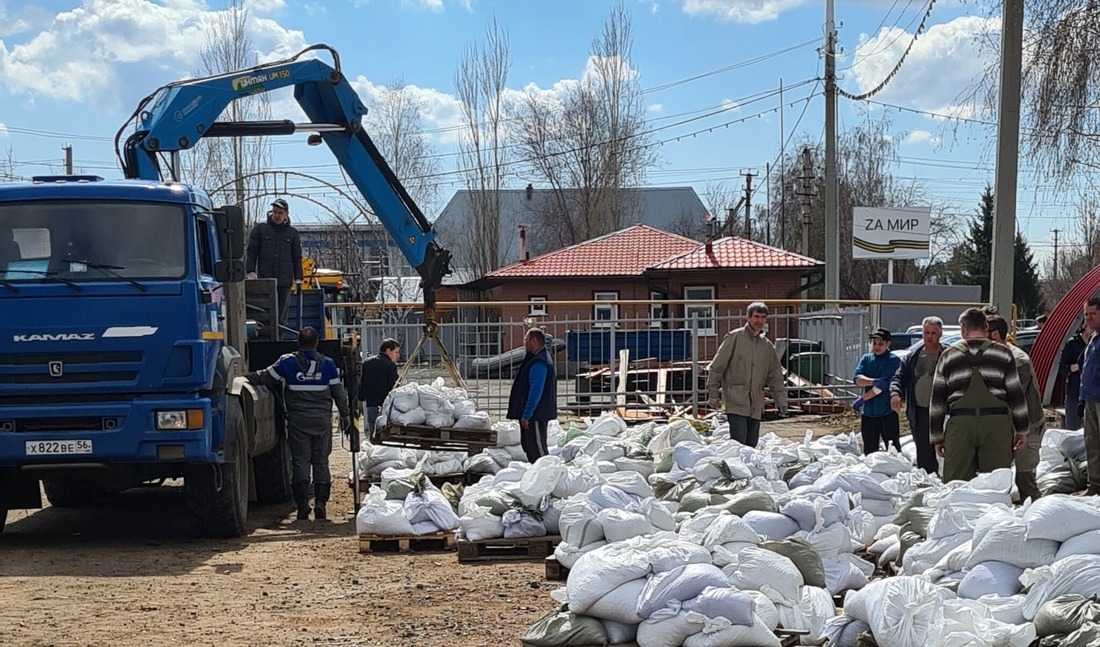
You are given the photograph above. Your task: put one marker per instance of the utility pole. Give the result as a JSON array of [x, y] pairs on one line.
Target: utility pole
[[782, 175], [1008, 147], [748, 175], [68, 158], [805, 191], [832, 224], [1055, 272]]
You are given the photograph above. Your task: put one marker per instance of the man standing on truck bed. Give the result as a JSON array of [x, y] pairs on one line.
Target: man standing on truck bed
[[533, 399], [275, 252], [310, 383], [378, 377]]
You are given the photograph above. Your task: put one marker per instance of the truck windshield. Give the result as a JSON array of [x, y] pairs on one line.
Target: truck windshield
[[74, 241]]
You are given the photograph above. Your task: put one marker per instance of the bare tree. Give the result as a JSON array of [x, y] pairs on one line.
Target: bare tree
[[481, 81], [1078, 253], [8, 165], [227, 166], [396, 124], [591, 144]]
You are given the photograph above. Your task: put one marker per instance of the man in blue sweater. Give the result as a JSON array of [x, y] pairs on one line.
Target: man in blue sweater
[[874, 371], [1090, 395], [534, 396]]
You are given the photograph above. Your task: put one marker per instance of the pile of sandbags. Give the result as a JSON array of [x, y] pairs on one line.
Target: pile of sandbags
[[405, 506], [434, 405], [508, 449], [374, 460]]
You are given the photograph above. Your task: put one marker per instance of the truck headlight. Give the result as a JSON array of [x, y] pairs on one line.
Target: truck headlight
[[180, 419]]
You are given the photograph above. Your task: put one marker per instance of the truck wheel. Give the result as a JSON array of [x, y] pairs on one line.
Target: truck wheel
[[3, 518], [217, 494], [272, 473], [70, 492]]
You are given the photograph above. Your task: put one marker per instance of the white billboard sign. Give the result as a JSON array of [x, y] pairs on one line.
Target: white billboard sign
[[890, 232]]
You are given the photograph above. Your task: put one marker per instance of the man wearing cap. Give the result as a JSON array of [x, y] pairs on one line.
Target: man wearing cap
[[977, 416], [275, 252], [873, 373]]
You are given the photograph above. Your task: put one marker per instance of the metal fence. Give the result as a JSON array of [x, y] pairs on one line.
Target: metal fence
[[643, 365]]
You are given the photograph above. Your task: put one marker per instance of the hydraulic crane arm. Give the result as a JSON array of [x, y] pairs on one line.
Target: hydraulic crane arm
[[176, 116]]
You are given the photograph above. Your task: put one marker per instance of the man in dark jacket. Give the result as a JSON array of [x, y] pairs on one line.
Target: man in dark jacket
[[378, 377], [310, 383], [534, 396], [913, 383], [275, 252]]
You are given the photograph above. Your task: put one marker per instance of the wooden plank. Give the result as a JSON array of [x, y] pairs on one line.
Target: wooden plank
[[624, 371], [433, 543], [458, 478], [491, 550], [555, 571], [662, 385]]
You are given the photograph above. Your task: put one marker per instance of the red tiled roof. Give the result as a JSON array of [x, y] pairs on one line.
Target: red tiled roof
[[627, 252], [731, 253]]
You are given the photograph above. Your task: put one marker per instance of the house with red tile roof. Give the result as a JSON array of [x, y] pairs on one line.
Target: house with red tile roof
[[648, 265]]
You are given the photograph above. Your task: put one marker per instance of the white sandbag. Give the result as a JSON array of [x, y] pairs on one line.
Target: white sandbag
[[480, 524], [717, 635], [599, 572], [817, 607], [476, 421], [842, 575], [619, 633], [1061, 516], [500, 455], [431, 399], [852, 482], [902, 611], [642, 466], [960, 517], [878, 508], [568, 554], [829, 541], [668, 628], [481, 463], [667, 552], [658, 514], [1008, 610], [991, 578], [619, 525], [608, 424], [609, 496], [772, 574], [579, 477], [1075, 574], [1087, 543], [686, 454], [765, 609], [620, 603], [439, 419], [467, 407], [411, 417], [811, 511], [680, 584], [955, 560], [404, 398], [723, 555], [379, 516], [723, 602], [967, 623], [631, 483], [999, 537], [518, 525], [516, 453], [728, 528], [508, 431], [883, 544], [843, 630], [513, 473], [695, 528], [890, 555], [927, 553], [603, 448], [771, 525], [578, 524], [540, 480], [445, 468], [431, 506], [887, 463]]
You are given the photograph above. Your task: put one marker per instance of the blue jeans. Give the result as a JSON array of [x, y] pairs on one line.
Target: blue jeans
[[372, 415]]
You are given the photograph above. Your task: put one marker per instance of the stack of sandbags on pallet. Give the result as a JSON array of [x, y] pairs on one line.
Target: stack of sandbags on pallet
[[514, 503], [401, 506], [432, 405], [374, 460], [509, 449]]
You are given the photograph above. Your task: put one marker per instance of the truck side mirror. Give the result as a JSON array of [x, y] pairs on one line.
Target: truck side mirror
[[229, 221]]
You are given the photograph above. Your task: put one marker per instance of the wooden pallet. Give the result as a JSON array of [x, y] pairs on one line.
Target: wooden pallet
[[458, 478], [555, 570], [491, 550], [446, 440], [433, 543]]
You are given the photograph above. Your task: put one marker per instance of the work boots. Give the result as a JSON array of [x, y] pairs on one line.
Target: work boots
[[301, 497], [321, 492]]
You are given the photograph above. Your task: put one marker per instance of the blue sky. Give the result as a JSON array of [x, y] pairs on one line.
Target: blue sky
[[72, 71]]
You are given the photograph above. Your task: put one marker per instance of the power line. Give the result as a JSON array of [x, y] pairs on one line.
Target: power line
[[889, 77]]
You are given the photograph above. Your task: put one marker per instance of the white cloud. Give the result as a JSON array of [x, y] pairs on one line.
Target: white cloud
[[731, 105], [655, 109], [921, 137], [943, 64], [744, 11], [3, 130], [442, 112], [107, 52]]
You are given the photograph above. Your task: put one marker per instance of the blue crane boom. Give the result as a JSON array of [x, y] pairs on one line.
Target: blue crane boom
[[176, 116]]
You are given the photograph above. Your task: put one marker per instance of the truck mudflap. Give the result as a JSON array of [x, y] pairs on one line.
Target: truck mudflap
[[260, 410]]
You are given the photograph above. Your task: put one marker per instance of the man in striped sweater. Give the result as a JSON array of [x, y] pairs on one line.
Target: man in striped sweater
[[978, 413]]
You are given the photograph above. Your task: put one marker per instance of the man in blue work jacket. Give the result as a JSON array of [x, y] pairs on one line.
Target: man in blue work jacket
[[533, 399], [874, 371], [1090, 394], [309, 383]]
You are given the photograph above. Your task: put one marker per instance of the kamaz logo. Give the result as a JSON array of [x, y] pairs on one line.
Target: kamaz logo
[[64, 336]]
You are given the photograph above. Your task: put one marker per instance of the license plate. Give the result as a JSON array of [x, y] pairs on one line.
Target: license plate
[[58, 447]]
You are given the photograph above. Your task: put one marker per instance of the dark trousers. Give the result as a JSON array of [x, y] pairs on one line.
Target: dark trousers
[[533, 440], [926, 453], [309, 451], [1027, 485], [744, 429], [884, 427], [372, 416], [284, 305]]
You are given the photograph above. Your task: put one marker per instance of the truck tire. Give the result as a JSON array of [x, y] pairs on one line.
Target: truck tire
[[217, 494], [3, 518], [272, 473], [70, 492]]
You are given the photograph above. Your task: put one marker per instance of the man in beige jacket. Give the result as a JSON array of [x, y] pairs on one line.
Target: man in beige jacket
[[745, 363]]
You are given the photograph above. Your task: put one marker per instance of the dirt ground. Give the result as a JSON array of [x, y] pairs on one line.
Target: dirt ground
[[127, 571]]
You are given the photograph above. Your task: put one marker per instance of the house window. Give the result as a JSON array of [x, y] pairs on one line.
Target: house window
[[657, 311], [605, 315], [537, 307], [703, 312]]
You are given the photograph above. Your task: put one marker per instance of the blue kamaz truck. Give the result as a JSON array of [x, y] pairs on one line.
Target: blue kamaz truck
[[123, 334]]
